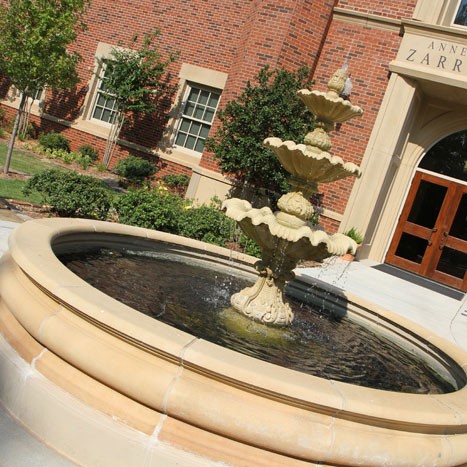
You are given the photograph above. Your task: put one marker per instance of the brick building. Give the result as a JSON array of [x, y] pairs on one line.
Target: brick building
[[408, 61]]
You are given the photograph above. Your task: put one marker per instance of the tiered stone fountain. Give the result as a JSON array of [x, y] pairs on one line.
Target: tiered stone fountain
[[104, 384], [287, 236]]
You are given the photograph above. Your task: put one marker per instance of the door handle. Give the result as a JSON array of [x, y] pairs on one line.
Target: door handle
[[431, 234]]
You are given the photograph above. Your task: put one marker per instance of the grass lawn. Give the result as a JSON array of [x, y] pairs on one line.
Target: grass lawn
[[21, 161], [13, 189]]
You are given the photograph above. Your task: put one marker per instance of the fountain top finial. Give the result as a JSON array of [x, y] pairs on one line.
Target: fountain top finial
[[336, 84]]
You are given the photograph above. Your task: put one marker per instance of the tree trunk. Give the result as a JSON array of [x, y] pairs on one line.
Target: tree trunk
[[6, 167], [24, 120], [112, 139]]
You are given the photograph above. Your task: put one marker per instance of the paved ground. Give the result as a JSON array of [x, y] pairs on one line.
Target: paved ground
[[439, 309], [436, 310]]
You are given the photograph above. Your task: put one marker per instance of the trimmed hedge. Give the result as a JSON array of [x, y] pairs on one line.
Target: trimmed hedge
[[70, 194], [54, 141], [151, 209]]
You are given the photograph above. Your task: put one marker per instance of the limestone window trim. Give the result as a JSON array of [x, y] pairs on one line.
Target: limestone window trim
[[103, 53], [35, 104], [441, 13], [99, 94], [460, 10], [187, 117], [190, 76]]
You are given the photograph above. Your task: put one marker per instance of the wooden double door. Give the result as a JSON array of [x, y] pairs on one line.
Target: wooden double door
[[431, 235]]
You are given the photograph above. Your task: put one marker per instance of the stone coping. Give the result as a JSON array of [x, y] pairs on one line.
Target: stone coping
[[214, 389]]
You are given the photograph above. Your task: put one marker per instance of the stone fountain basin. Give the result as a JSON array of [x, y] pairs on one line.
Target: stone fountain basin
[[97, 380]]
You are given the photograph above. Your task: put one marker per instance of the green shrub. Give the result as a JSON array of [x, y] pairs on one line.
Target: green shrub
[[134, 170], [54, 141], [176, 181], [101, 167], [354, 234], [151, 209], [208, 224], [249, 246], [83, 160], [89, 151], [71, 194], [68, 157], [268, 106]]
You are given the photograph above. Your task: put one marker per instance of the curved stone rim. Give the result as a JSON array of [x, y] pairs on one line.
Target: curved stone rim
[[294, 400]]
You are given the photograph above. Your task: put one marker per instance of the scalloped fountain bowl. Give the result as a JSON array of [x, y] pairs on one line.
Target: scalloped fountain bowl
[[331, 108], [317, 166], [124, 389]]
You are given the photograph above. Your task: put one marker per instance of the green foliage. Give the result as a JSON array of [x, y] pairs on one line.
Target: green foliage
[[71, 194], [135, 170], [56, 154], [3, 120], [35, 39], [101, 167], [88, 150], [151, 209], [83, 160], [269, 107], [176, 181], [136, 78], [54, 141], [208, 224], [249, 246], [34, 48], [161, 210], [354, 234]]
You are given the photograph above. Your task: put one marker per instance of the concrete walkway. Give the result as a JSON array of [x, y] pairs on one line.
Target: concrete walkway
[[434, 309], [439, 309]]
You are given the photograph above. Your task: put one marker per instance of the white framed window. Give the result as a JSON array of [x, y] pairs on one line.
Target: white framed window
[[37, 94], [104, 106], [197, 114], [460, 17]]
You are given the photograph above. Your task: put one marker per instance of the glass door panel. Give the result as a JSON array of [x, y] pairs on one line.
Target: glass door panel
[[427, 203], [411, 248], [459, 224], [452, 262], [431, 236]]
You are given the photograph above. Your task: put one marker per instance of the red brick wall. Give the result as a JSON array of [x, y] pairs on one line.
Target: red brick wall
[[368, 52], [279, 33], [389, 9], [237, 38], [186, 27]]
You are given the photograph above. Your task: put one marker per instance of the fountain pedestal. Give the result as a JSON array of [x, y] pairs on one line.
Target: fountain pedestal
[[265, 300]]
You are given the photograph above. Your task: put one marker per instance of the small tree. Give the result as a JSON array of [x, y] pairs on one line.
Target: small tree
[[33, 48], [269, 107], [135, 79]]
